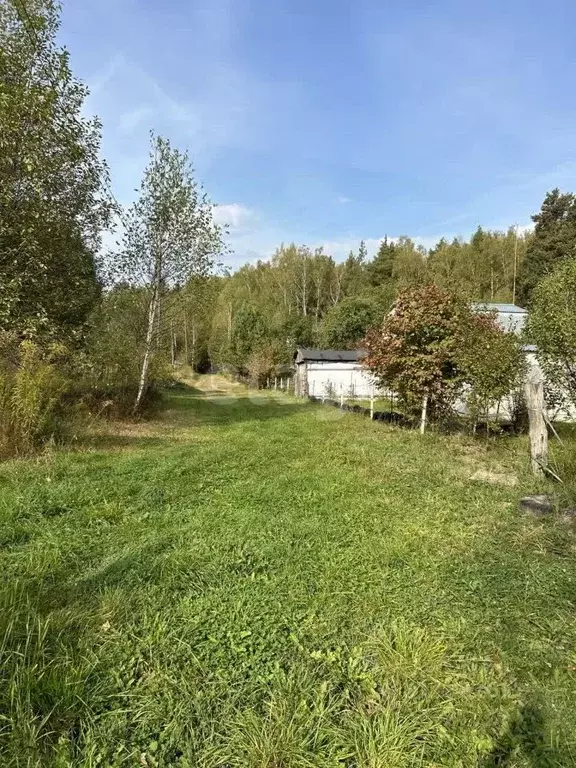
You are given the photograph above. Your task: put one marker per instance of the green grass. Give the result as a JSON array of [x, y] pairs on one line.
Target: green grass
[[256, 582]]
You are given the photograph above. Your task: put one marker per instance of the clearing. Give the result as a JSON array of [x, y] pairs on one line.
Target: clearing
[[257, 582]]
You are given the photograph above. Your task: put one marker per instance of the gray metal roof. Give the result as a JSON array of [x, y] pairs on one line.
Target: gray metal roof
[[309, 355], [510, 317]]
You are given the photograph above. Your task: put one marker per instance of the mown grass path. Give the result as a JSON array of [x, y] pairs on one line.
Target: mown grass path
[[257, 582]]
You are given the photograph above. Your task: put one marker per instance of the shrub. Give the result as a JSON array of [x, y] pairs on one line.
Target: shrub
[[31, 397], [345, 325], [261, 364]]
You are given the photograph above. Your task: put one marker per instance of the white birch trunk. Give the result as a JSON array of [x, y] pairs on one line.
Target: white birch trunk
[[152, 314], [424, 414]]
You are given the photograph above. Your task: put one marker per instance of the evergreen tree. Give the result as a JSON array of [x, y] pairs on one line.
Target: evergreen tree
[[381, 268], [554, 241]]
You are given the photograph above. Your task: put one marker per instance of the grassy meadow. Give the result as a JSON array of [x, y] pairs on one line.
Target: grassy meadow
[[255, 582]]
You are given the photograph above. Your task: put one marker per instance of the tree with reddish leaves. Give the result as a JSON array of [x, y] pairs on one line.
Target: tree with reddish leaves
[[433, 347], [415, 350]]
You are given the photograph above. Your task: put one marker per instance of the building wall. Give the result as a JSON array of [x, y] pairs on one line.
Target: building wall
[[350, 378]]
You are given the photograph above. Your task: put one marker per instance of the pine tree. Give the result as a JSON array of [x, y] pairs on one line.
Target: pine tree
[[554, 241], [381, 268]]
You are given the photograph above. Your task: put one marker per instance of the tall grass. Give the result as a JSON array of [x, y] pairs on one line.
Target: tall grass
[[259, 583], [31, 390]]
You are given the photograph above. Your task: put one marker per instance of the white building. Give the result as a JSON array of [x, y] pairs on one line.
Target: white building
[[332, 372]]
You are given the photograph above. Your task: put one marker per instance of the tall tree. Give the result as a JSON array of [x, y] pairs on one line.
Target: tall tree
[[554, 240], [169, 236], [381, 268], [52, 200]]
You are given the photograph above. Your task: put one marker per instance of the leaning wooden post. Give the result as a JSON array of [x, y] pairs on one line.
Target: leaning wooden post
[[536, 405], [372, 403]]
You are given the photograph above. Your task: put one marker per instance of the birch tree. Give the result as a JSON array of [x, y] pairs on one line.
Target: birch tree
[[169, 236]]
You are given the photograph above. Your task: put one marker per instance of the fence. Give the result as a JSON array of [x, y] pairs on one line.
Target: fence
[[346, 399]]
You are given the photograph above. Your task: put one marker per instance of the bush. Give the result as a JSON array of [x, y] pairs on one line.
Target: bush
[[32, 390]]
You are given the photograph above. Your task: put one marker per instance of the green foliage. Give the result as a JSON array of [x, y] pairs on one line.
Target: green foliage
[[31, 390], [345, 325], [434, 346], [53, 203], [169, 237], [248, 334], [482, 269], [109, 368], [299, 291], [381, 268], [552, 327], [215, 595], [554, 240], [262, 363], [491, 362]]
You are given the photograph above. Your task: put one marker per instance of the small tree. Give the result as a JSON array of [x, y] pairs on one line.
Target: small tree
[[248, 333], [414, 351], [552, 326], [169, 236], [262, 363], [432, 346], [491, 362]]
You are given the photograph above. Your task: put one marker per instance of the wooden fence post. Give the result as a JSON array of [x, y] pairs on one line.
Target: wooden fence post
[[535, 403]]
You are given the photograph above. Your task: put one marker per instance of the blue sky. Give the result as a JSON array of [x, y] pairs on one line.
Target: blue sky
[[325, 122]]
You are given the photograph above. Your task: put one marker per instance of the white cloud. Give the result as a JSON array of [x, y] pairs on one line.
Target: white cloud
[[343, 200], [234, 215]]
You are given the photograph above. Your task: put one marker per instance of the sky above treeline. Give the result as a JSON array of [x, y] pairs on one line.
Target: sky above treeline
[[330, 121]]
